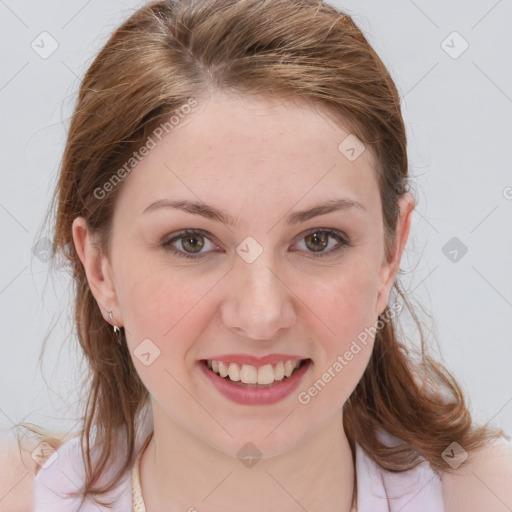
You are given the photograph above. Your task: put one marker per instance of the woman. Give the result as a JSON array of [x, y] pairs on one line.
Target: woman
[[234, 204]]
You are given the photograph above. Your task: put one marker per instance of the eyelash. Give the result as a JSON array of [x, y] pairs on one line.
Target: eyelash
[[337, 235]]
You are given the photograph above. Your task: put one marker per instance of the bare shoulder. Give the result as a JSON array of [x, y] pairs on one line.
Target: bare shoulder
[[17, 473], [20, 461], [483, 482]]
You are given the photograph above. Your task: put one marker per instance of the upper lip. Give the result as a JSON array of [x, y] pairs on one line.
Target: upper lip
[[254, 360]]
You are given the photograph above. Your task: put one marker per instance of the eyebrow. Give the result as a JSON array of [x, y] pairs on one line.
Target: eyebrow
[[215, 214]]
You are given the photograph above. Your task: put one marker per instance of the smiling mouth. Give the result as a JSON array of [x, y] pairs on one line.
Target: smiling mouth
[[238, 374]]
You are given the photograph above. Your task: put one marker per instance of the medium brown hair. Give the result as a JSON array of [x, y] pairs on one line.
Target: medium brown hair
[[168, 52]]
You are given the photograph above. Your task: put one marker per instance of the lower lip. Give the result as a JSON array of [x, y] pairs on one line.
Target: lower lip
[[255, 396]]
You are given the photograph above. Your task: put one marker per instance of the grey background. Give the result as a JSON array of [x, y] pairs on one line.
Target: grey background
[[458, 117]]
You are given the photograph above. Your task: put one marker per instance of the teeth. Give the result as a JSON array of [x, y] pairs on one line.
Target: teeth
[[279, 371], [223, 369], [249, 374], [234, 372], [288, 368], [266, 374]]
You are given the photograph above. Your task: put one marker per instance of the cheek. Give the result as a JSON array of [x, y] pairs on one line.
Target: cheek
[[346, 306], [164, 315], [345, 301], [167, 307], [162, 307]]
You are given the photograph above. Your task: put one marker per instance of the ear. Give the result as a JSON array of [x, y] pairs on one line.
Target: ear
[[390, 267], [98, 271]]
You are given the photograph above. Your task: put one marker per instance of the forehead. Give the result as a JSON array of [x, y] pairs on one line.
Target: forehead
[[249, 150]]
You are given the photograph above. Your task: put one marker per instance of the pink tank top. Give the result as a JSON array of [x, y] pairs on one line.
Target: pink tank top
[[378, 490]]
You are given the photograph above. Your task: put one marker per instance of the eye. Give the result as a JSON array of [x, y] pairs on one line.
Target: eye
[[318, 239], [192, 240]]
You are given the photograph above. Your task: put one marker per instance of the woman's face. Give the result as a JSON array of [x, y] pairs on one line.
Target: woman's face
[[264, 285]]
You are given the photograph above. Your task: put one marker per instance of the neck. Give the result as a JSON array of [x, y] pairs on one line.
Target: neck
[[180, 472]]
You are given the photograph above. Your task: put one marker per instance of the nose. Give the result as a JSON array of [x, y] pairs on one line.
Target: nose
[[259, 304]]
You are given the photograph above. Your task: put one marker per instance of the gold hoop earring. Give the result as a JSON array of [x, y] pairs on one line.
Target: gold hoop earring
[[117, 330]]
